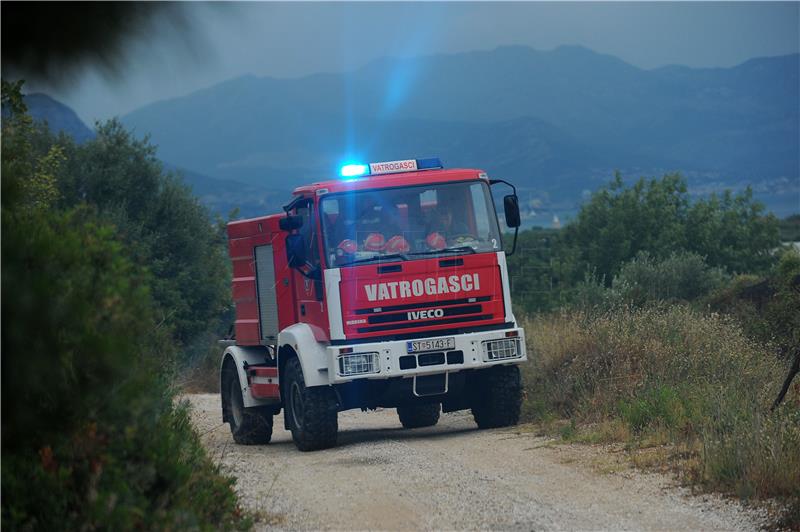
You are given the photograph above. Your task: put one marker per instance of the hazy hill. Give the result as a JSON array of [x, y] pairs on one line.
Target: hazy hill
[[557, 122], [223, 196], [58, 116]]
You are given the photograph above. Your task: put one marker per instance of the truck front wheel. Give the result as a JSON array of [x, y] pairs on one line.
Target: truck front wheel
[[312, 412], [498, 400], [249, 426], [416, 416]]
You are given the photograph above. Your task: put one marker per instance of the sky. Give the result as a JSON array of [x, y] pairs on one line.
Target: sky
[[226, 40]]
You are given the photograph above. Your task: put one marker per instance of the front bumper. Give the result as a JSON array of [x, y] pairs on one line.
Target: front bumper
[[473, 347]]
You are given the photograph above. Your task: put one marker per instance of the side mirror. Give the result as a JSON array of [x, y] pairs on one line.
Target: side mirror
[[511, 207], [295, 249], [290, 222]]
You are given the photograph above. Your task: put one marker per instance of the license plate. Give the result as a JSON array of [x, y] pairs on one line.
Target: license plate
[[434, 344]]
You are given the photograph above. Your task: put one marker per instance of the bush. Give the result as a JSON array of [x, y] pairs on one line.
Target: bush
[[683, 276], [89, 428], [91, 438], [687, 376], [163, 226], [660, 406], [766, 307], [657, 216], [657, 219]]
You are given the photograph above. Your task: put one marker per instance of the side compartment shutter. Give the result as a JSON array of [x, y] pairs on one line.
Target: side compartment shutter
[[267, 297]]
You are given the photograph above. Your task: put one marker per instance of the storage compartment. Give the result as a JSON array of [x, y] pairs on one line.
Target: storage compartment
[[267, 298]]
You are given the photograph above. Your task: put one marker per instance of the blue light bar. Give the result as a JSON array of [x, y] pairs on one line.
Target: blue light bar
[[429, 164], [354, 170], [391, 167]]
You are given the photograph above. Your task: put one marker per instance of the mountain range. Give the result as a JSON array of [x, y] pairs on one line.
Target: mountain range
[[558, 123]]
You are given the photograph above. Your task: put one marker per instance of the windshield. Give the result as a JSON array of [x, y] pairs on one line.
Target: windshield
[[409, 223]]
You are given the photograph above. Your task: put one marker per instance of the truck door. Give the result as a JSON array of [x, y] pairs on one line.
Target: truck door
[[309, 292]]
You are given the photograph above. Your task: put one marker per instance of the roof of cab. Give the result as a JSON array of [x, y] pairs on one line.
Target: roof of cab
[[420, 177]]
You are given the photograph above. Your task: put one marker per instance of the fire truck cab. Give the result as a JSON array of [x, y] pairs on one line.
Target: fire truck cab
[[386, 288]]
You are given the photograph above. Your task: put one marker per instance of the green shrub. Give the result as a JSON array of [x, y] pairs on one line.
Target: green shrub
[[691, 377], [732, 231], [91, 438], [659, 406], [644, 280], [162, 224], [766, 307], [657, 217], [89, 428], [681, 276]]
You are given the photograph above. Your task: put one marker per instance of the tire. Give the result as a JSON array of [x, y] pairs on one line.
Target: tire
[[312, 412], [499, 398], [420, 415], [249, 426]]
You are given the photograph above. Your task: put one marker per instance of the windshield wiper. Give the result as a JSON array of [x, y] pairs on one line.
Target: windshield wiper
[[379, 258], [455, 249]]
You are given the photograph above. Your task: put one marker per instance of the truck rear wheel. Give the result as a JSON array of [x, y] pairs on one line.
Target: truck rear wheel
[[312, 412], [422, 415], [249, 426], [499, 397]]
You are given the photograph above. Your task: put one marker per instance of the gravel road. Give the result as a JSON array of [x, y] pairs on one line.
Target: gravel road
[[451, 476]]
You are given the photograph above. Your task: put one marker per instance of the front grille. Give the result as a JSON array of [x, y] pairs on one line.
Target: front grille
[[469, 328], [424, 323], [414, 306], [502, 349]]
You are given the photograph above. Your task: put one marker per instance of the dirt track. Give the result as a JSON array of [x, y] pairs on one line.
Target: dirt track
[[451, 476]]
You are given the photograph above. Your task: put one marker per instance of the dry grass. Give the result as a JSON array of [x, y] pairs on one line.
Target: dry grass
[[684, 389], [203, 375]]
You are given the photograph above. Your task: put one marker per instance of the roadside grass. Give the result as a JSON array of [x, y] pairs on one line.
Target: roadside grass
[[202, 374], [684, 390]]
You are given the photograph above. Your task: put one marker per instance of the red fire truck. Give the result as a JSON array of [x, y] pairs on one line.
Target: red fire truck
[[385, 288]]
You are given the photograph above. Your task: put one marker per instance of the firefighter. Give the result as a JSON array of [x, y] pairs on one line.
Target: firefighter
[[374, 224], [445, 229]]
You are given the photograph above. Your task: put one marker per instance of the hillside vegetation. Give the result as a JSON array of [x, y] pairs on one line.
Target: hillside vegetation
[[111, 269], [669, 325]]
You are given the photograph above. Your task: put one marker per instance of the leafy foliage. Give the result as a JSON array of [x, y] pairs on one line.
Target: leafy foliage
[[790, 228], [619, 222], [91, 437], [733, 232], [540, 269], [766, 307], [161, 222], [652, 218], [683, 276], [657, 216]]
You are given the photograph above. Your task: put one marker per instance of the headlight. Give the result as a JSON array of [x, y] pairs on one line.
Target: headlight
[[501, 349], [358, 364]]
